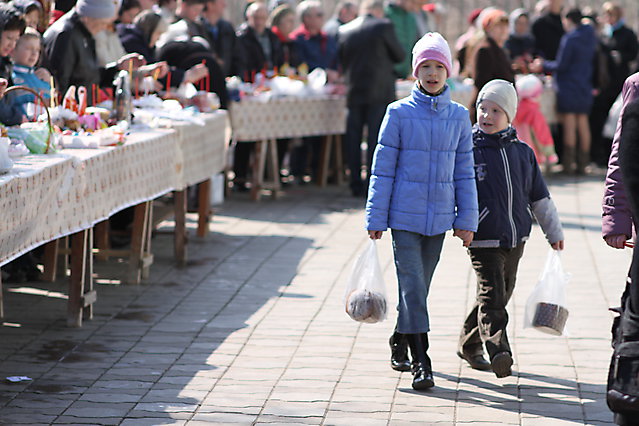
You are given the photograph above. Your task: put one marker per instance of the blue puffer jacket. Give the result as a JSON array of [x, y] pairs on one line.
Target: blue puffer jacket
[[508, 183], [422, 178]]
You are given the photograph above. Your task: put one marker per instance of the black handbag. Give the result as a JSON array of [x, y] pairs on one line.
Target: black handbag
[[622, 395]]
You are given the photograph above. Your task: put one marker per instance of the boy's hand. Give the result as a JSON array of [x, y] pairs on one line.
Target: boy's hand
[[559, 245], [4, 83], [465, 236], [375, 235], [131, 60], [43, 74]]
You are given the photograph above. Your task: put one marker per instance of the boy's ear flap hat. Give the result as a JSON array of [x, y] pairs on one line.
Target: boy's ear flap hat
[[501, 92], [529, 86], [432, 46]]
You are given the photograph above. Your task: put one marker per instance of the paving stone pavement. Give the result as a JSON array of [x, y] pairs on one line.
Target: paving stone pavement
[[253, 331]]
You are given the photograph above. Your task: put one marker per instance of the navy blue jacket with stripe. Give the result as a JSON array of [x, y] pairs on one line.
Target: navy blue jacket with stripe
[[510, 188]]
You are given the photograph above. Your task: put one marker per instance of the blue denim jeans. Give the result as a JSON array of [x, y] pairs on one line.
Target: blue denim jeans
[[416, 257]]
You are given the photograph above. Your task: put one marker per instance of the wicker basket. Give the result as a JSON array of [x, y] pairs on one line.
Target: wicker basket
[[41, 99]]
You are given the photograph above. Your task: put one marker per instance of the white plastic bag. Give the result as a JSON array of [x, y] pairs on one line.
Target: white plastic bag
[[365, 297], [546, 307]]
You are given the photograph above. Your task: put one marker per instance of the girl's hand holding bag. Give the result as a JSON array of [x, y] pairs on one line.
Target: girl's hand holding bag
[[365, 296], [546, 307]]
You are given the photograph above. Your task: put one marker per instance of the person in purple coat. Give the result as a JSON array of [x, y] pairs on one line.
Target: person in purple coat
[[617, 221], [620, 203]]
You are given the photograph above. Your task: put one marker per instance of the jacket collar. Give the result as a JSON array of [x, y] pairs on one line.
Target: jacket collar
[[302, 31], [434, 102], [496, 140], [279, 35], [23, 69]]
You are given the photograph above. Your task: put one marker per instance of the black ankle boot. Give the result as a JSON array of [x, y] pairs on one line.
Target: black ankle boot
[[422, 370], [399, 352]]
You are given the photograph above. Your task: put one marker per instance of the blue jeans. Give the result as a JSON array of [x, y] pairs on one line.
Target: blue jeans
[[416, 257]]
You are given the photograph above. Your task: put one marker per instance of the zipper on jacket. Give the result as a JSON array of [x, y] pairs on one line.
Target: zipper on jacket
[[509, 186]]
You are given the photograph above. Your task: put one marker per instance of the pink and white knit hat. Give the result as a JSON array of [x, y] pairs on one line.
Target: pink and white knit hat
[[431, 46], [529, 86]]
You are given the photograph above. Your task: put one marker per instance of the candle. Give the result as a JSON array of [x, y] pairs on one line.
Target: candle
[[52, 93], [204, 79], [168, 84]]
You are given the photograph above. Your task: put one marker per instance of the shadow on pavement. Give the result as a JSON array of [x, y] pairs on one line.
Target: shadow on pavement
[[149, 354]]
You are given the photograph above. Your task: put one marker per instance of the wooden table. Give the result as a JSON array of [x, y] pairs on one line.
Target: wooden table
[[264, 121], [46, 197]]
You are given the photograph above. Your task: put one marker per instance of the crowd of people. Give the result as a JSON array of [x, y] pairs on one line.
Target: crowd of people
[[589, 53]]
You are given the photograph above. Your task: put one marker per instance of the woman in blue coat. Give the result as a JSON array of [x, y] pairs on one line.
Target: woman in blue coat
[[572, 71]]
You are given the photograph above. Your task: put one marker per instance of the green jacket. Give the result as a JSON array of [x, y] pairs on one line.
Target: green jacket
[[406, 30]]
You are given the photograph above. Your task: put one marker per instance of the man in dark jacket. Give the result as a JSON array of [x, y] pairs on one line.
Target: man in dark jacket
[[368, 49], [263, 52], [224, 42], [262, 48], [619, 44], [345, 12], [69, 47], [548, 31]]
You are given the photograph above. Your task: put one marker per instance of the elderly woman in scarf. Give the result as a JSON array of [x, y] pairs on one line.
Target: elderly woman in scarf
[[520, 43], [141, 37]]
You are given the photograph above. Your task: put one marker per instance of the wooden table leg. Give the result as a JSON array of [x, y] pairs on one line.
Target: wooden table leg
[[147, 259], [274, 167], [138, 233], [88, 295], [204, 207], [79, 247], [258, 169], [325, 159], [50, 261], [102, 239], [1, 298], [339, 160], [180, 227]]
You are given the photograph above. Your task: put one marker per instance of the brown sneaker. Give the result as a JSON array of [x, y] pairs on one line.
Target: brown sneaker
[[501, 364]]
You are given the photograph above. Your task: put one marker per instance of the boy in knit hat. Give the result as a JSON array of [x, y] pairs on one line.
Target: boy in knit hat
[[422, 184], [509, 185]]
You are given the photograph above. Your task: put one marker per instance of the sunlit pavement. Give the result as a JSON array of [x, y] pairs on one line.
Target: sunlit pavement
[[253, 331]]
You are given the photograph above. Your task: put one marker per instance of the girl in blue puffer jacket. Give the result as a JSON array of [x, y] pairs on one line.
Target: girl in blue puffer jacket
[[422, 184]]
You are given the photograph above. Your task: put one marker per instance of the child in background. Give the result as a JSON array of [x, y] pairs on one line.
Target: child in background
[[25, 57], [422, 184], [531, 124], [509, 186]]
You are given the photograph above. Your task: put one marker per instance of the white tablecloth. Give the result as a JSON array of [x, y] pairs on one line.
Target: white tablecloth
[[45, 197], [253, 119]]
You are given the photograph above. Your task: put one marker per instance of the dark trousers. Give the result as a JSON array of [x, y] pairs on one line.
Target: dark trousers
[[312, 146], [370, 115], [241, 159], [496, 270]]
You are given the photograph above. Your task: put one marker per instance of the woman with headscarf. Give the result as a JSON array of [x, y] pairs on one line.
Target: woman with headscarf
[[141, 37], [521, 43], [282, 23], [491, 60]]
